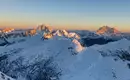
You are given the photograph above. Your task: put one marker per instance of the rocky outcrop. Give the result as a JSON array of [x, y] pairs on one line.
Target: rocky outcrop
[[44, 28], [30, 32]]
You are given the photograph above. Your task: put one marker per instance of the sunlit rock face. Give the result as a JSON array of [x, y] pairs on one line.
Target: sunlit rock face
[[107, 30], [48, 29], [73, 35], [66, 34], [30, 32], [47, 35], [7, 30], [61, 33], [44, 28], [40, 27]]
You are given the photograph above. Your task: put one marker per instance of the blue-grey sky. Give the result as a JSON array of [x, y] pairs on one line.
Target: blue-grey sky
[[68, 14]]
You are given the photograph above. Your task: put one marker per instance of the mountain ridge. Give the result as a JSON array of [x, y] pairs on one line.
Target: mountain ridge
[[107, 30]]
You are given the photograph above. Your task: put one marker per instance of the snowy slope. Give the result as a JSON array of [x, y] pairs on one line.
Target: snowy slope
[[86, 63], [1, 41], [34, 47], [5, 77], [91, 65], [111, 47], [103, 69]]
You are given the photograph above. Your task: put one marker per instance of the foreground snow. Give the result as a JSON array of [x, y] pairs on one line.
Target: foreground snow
[[75, 62], [5, 77], [91, 65]]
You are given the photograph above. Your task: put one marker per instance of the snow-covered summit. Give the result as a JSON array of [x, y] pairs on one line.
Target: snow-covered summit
[[66, 34], [105, 30], [49, 32], [7, 30], [61, 33], [44, 28]]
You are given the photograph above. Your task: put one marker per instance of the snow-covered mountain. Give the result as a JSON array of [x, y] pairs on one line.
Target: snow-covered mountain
[[103, 36], [66, 34], [44, 28], [105, 30], [87, 34], [62, 57], [103, 62], [61, 33], [112, 33], [34, 48], [65, 58], [7, 30]]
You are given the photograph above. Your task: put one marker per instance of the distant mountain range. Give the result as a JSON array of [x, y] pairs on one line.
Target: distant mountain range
[[61, 57], [104, 30], [103, 35]]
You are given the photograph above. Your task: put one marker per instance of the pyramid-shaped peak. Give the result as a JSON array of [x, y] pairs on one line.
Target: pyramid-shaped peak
[[43, 27], [107, 30]]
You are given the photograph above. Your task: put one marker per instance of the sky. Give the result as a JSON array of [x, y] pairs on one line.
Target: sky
[[66, 14]]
